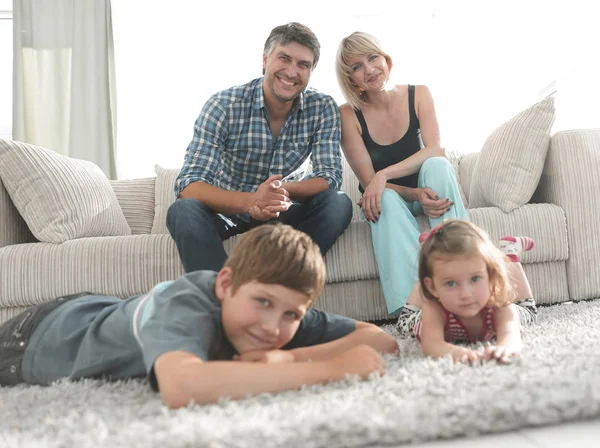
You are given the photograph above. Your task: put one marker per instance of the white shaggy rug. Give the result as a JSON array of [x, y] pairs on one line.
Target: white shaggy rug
[[557, 380]]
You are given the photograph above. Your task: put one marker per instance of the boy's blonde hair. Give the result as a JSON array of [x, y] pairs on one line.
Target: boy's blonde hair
[[456, 237], [356, 45], [278, 254]]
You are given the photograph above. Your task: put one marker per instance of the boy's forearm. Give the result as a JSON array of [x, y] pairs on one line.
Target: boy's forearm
[[366, 334], [206, 383]]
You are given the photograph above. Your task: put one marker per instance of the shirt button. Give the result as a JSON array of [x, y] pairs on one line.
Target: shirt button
[[21, 344], [13, 369]]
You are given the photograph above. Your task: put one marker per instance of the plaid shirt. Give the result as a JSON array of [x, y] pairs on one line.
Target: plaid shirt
[[233, 146]]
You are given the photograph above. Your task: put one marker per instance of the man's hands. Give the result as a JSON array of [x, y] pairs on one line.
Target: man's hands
[[433, 206], [270, 199], [361, 360]]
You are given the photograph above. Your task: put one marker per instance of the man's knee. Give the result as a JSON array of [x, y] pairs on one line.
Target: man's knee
[[337, 202], [186, 212]]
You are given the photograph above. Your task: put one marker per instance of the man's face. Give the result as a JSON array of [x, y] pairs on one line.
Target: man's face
[[287, 71], [260, 316]]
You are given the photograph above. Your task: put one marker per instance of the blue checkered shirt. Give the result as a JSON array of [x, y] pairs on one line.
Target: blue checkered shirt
[[233, 147]]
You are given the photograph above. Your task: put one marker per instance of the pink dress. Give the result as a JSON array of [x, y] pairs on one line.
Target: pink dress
[[455, 331]]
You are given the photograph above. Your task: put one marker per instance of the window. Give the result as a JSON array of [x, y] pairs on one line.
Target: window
[[6, 72], [170, 57], [483, 61]]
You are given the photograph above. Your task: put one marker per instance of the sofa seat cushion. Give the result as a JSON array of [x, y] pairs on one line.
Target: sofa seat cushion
[[120, 266], [545, 223], [136, 198]]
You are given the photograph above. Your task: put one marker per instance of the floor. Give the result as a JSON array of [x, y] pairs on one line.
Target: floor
[[583, 434]]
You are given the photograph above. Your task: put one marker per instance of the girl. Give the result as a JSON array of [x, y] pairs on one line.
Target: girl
[[468, 297], [391, 139]]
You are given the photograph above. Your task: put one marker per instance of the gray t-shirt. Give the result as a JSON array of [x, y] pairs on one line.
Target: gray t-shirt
[[106, 337]]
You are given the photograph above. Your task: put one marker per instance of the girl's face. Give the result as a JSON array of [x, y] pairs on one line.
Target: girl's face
[[460, 283], [370, 71]]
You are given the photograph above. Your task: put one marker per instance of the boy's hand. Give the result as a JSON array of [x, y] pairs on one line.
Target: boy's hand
[[466, 355], [502, 354], [361, 360], [266, 356]]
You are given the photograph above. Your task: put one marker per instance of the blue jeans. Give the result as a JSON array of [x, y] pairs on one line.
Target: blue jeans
[[198, 231], [15, 334], [396, 234]]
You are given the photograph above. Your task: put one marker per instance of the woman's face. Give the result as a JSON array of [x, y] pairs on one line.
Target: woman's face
[[370, 72]]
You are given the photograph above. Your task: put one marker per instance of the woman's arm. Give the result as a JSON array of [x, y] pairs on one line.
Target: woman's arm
[[360, 161], [430, 133]]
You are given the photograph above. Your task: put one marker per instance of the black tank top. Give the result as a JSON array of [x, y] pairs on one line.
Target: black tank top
[[383, 156]]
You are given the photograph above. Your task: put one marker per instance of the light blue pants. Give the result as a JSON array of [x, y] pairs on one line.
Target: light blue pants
[[396, 234]]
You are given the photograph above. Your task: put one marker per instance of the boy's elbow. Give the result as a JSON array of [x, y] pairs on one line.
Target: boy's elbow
[[381, 341], [173, 401], [389, 344]]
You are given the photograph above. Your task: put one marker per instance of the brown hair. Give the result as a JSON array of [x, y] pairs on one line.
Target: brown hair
[[293, 32], [456, 237], [278, 254], [356, 45]]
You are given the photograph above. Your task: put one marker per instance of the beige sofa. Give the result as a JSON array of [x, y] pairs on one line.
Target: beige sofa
[[562, 216]]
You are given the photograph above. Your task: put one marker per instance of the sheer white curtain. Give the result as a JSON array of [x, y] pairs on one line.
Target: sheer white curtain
[[64, 83]]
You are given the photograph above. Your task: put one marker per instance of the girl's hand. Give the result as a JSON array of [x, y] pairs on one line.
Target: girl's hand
[[371, 200], [266, 356], [502, 354], [466, 355], [433, 206]]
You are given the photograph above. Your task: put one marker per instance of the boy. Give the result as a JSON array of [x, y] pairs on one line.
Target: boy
[[247, 329]]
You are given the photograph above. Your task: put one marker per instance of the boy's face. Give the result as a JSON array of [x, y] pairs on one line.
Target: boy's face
[[259, 316]]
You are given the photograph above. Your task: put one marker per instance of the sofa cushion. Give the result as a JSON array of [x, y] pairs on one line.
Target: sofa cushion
[[59, 198], [465, 170], [511, 161], [164, 196], [119, 266], [136, 198], [13, 230]]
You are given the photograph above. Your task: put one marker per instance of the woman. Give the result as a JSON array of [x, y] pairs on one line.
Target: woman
[[391, 139]]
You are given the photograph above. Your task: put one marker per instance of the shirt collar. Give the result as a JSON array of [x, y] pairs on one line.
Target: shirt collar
[[259, 98]]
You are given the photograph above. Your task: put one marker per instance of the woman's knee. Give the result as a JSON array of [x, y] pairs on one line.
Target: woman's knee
[[437, 164], [390, 198]]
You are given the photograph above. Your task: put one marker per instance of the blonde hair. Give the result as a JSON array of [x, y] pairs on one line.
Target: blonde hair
[[455, 237], [356, 45], [278, 254]]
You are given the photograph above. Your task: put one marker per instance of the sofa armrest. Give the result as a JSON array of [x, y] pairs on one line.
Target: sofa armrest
[[570, 180], [13, 230]]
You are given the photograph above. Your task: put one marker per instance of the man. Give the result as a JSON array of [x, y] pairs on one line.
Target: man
[[247, 163]]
